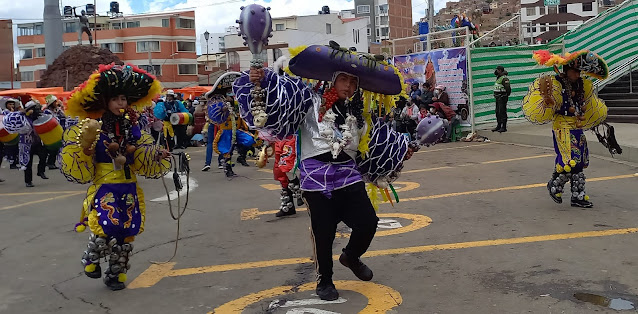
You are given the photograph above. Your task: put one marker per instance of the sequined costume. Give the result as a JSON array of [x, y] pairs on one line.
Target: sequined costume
[[114, 208], [340, 143], [572, 107], [233, 132]]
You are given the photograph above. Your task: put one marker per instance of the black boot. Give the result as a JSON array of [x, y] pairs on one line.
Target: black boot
[[555, 187], [296, 191], [241, 159], [43, 176], [229, 170], [96, 274], [503, 127], [287, 205], [326, 290], [359, 269], [498, 127], [581, 203], [579, 198]]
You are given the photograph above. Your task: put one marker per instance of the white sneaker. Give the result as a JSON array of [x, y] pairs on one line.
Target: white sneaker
[[206, 168]]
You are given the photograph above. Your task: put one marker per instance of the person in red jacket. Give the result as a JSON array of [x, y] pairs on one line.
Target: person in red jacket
[[448, 116]]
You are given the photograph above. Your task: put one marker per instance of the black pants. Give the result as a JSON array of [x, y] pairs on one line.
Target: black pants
[[51, 157], [37, 149], [350, 205], [501, 107], [180, 136]]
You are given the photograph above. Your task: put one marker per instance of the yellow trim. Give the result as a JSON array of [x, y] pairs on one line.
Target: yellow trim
[[106, 174]]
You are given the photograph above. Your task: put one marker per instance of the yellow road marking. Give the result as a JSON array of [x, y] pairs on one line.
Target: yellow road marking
[[380, 298], [254, 213], [416, 222], [38, 193], [42, 200], [450, 148], [480, 163], [271, 187], [155, 273]]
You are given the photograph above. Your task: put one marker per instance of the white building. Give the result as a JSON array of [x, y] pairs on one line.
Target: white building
[[544, 23], [296, 31], [215, 43]]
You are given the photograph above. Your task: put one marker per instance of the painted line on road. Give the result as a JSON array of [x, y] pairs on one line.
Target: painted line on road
[[381, 299], [157, 272], [40, 193], [479, 163], [173, 194], [43, 200], [450, 148], [254, 213]]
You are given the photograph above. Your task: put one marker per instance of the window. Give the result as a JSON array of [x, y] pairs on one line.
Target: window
[[37, 30], [553, 27], [377, 20], [26, 76], [531, 11], [276, 53], [328, 28], [133, 24], [186, 69], [587, 7], [154, 69], [24, 31], [562, 8], [542, 10], [385, 31], [384, 20], [563, 28], [116, 25], [369, 19], [39, 52], [543, 29], [114, 47], [186, 46], [377, 32], [280, 27], [383, 9], [166, 23], [186, 23], [369, 32], [26, 54], [146, 46], [551, 10], [363, 9]]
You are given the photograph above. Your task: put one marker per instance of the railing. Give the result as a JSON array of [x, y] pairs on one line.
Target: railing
[[455, 37], [619, 72], [516, 17]]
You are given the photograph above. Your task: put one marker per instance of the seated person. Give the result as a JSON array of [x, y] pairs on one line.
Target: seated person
[[423, 112], [448, 116], [440, 95], [426, 95], [410, 116]]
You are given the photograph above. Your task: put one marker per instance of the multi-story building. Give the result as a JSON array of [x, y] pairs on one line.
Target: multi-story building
[[163, 44], [387, 19], [544, 23], [6, 54], [293, 31], [216, 42]]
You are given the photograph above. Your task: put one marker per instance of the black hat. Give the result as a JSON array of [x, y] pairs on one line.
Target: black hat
[[500, 68]]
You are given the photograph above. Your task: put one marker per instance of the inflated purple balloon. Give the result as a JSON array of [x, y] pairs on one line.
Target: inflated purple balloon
[[255, 27], [430, 130]]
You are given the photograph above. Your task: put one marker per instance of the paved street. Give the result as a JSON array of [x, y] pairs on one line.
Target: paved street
[[474, 232]]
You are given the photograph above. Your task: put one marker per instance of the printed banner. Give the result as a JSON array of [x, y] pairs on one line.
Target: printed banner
[[447, 67]]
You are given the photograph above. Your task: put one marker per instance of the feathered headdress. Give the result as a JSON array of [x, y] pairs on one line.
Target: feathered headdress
[[90, 99], [585, 61]]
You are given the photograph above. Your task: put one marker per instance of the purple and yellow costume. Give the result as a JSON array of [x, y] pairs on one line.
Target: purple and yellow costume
[[114, 207]]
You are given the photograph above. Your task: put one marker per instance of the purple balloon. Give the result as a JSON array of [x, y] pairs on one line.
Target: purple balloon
[[255, 27], [430, 130]]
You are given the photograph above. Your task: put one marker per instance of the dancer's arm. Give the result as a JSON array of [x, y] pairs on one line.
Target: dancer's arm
[[150, 160], [76, 162]]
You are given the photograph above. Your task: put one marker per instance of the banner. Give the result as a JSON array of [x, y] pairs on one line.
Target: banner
[[447, 67]]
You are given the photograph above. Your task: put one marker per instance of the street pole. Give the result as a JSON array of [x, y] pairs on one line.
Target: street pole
[[95, 22], [206, 36]]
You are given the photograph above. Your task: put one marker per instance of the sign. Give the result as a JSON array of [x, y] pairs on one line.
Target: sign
[[552, 2], [447, 67], [227, 82]]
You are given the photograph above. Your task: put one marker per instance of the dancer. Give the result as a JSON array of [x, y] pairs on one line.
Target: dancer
[[109, 152], [163, 111], [22, 122], [569, 101], [341, 145], [54, 107], [233, 132], [10, 149]]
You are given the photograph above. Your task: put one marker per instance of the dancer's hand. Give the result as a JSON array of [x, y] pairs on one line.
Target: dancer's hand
[[256, 75], [409, 154], [163, 154]]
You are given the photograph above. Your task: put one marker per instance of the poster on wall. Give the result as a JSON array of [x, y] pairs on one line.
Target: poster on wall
[[447, 67]]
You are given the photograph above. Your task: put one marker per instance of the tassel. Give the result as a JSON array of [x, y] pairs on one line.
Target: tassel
[[387, 195], [394, 192], [372, 194], [384, 196]]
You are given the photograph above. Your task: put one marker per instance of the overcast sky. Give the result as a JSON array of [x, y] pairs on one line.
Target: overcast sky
[[211, 15]]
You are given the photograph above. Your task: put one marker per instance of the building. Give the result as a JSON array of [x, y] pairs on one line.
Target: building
[[543, 23], [293, 31], [6, 54], [216, 42], [387, 19], [162, 43]]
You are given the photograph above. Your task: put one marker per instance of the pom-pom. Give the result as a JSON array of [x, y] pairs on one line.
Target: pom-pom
[[586, 197], [89, 268], [80, 227], [567, 168], [572, 163], [559, 168], [121, 277], [542, 56]]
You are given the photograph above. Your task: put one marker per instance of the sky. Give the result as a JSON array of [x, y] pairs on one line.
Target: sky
[[211, 15]]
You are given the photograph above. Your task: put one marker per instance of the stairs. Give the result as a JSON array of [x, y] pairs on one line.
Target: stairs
[[622, 103]]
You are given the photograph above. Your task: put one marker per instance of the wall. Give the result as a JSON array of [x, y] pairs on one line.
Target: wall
[[6, 50]]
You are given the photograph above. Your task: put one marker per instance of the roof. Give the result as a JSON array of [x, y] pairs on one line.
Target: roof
[[352, 19], [550, 35], [559, 18]]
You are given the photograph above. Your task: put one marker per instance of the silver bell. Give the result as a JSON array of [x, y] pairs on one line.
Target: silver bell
[[114, 257], [122, 260], [112, 242], [100, 241], [575, 194], [553, 190], [91, 246], [93, 256], [115, 268]]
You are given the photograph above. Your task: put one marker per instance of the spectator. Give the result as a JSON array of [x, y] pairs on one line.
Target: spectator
[[440, 95], [426, 95], [410, 116], [423, 112], [415, 93], [448, 116], [398, 121]]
